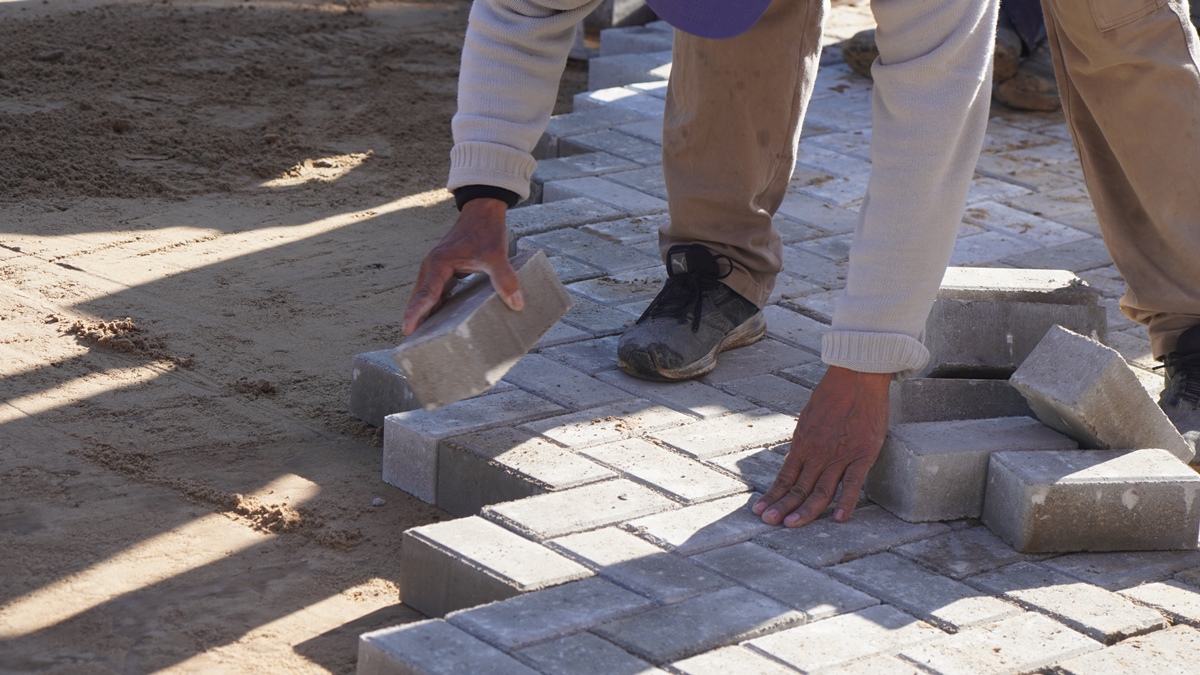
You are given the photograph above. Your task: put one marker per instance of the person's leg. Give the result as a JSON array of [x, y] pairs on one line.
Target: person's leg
[[1127, 71], [730, 129], [732, 122]]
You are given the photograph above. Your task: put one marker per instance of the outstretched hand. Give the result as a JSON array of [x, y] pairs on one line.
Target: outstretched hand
[[478, 242], [837, 439]]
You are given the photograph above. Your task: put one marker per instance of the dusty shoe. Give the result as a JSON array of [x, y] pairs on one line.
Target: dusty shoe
[[1033, 87], [1181, 397], [859, 52], [1008, 53], [693, 318]]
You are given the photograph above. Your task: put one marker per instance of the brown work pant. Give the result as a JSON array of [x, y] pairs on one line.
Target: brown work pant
[[1127, 73]]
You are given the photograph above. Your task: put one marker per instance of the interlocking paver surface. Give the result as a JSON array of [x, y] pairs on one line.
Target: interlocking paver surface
[[684, 568]]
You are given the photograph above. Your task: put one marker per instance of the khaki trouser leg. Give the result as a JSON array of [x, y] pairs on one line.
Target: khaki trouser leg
[[1127, 75], [732, 122]]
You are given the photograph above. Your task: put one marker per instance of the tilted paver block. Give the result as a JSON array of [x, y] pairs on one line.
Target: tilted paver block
[[561, 384], [761, 569], [842, 639], [679, 477], [431, 648], [1021, 644], [583, 122], [622, 69], [583, 654], [1101, 615], [579, 509], [378, 388], [472, 340], [930, 471], [627, 419], [501, 465], [964, 553], [1120, 570], [1180, 602], [638, 565], [730, 433], [937, 399], [698, 625], [825, 542], [757, 467], [703, 527], [990, 319], [931, 597], [1166, 651], [462, 563], [691, 397], [552, 613], [732, 659], [538, 218], [1086, 390], [1092, 500], [410, 439]]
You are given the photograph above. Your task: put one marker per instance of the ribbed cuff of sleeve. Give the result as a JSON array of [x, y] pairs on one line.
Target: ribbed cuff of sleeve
[[874, 352], [478, 163]]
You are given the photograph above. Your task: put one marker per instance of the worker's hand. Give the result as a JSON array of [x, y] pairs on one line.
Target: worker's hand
[[478, 242], [837, 439]]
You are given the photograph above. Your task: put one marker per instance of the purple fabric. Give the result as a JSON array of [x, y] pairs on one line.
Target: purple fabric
[[710, 18]]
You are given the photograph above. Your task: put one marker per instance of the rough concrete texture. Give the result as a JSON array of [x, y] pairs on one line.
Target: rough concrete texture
[[431, 648], [702, 527], [987, 320], [462, 563], [1092, 500], [505, 464], [733, 659], [1099, 614], [761, 569], [583, 654], [1086, 390], [931, 471], [730, 433], [378, 388], [1178, 601], [610, 13], [1166, 651], [410, 439], [698, 625], [843, 639], [928, 596], [638, 565], [964, 553], [621, 69], [1122, 570], [470, 342], [553, 613], [579, 509], [1021, 644], [679, 477], [938, 399], [824, 542]]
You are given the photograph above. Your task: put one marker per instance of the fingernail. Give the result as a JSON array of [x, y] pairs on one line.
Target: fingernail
[[518, 300], [758, 508], [772, 514], [791, 520], [839, 515]]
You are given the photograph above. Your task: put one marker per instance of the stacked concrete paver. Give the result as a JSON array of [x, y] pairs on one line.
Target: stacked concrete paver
[[605, 521]]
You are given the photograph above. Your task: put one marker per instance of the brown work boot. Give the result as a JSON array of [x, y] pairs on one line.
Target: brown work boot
[[1033, 87], [860, 51]]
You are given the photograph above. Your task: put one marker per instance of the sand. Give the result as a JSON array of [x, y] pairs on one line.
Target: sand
[[206, 209]]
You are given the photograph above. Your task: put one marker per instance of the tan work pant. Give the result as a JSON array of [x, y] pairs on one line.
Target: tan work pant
[[1127, 73]]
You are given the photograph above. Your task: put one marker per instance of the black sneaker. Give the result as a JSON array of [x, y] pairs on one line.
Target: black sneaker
[[1181, 397], [693, 318]]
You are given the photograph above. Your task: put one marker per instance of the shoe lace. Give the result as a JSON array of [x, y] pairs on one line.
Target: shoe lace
[[684, 292], [1184, 372]]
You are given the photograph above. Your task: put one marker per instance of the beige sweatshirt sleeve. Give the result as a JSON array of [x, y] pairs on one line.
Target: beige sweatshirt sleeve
[[513, 58], [929, 117]]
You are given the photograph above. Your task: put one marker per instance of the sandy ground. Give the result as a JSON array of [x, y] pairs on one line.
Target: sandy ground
[[206, 209]]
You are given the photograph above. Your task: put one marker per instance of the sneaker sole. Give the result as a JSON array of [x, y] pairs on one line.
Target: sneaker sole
[[750, 331]]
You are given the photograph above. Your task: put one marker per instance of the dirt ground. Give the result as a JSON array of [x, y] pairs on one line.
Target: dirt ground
[[206, 209]]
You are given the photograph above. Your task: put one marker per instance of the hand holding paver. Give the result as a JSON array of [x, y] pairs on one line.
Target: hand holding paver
[[478, 242], [837, 439]]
